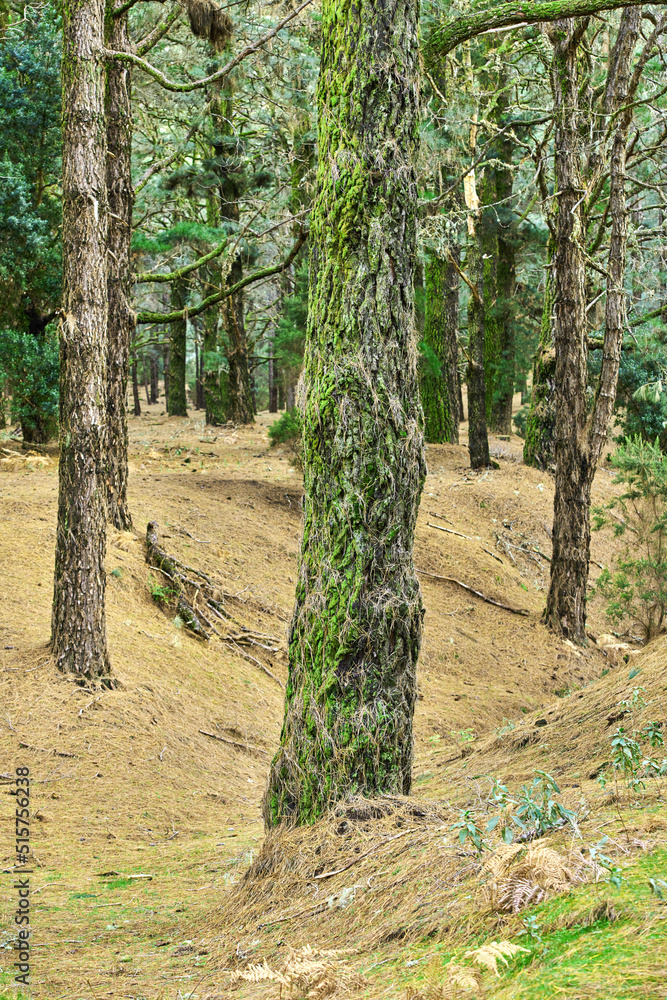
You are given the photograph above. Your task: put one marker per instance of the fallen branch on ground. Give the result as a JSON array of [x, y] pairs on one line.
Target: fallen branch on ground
[[477, 593], [233, 743], [197, 601]]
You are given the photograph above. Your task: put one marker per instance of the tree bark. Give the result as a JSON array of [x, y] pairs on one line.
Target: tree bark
[[78, 627], [239, 403], [177, 404], [135, 387], [501, 407], [539, 447], [580, 435], [120, 194], [165, 370], [154, 377], [439, 389], [356, 628], [566, 601], [273, 382], [478, 438]]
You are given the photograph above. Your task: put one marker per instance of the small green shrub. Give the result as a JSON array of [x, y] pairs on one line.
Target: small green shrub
[[636, 587], [287, 431]]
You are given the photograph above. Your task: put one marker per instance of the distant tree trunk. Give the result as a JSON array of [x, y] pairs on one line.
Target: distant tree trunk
[[135, 387], [451, 356], [177, 404], [214, 377], [356, 630], [165, 373], [501, 408], [199, 369], [239, 403], [145, 373], [501, 264], [539, 446], [273, 383], [78, 627], [196, 346], [478, 439], [120, 196], [154, 377], [439, 390], [580, 435]]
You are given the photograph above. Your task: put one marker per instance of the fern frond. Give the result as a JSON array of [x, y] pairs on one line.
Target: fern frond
[[493, 952], [462, 977], [260, 973], [548, 868], [499, 863]]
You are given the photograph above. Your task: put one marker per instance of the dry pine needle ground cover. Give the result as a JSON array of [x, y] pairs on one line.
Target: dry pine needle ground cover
[[152, 875]]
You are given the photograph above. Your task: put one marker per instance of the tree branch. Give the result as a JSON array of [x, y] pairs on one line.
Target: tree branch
[[185, 88], [266, 272], [509, 15], [159, 31]]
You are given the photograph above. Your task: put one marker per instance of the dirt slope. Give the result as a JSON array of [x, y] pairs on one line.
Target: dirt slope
[[126, 782]]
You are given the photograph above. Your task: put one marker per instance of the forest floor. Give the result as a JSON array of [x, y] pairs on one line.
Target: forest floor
[[151, 874]]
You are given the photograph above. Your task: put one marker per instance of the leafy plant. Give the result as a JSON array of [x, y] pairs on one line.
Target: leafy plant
[[601, 860], [287, 431], [468, 830], [161, 593], [636, 590], [534, 811]]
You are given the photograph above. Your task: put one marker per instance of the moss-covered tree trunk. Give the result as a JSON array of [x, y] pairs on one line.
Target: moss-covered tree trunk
[[439, 387], [120, 196], [176, 399], [356, 629], [539, 447], [78, 628]]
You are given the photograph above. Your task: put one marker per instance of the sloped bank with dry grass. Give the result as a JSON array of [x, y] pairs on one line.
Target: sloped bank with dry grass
[[147, 797]]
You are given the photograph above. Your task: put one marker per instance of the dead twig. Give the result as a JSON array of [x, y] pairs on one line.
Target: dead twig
[[477, 593], [450, 531], [233, 743]]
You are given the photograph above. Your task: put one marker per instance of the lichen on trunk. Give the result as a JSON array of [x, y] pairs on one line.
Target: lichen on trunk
[[356, 629]]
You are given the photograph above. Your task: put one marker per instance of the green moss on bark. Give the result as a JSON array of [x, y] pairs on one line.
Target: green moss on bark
[[356, 629], [439, 388]]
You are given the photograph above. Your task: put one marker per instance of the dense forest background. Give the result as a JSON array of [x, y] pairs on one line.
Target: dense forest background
[[225, 174]]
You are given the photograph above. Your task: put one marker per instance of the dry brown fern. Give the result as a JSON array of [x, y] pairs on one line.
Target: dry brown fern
[[493, 952], [499, 863], [453, 982], [517, 879], [308, 972]]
